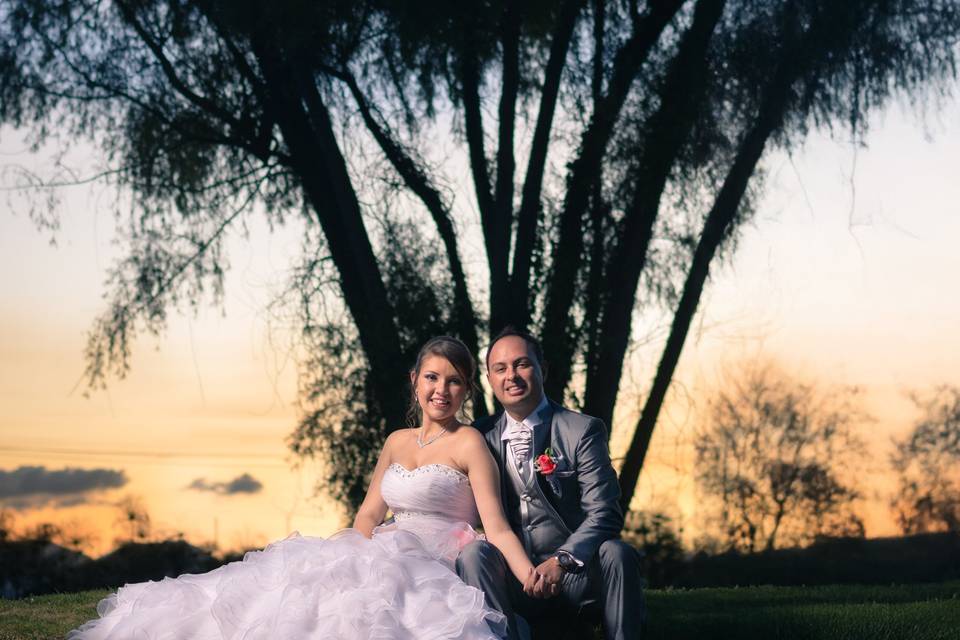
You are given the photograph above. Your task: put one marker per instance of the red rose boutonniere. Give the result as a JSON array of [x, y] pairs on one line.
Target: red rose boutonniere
[[545, 465]]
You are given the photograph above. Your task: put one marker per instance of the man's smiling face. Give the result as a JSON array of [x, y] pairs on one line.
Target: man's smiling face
[[515, 376]]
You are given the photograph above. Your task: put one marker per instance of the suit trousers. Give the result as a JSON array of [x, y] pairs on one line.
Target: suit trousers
[[611, 580]]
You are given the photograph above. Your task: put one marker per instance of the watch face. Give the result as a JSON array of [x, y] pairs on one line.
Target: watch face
[[567, 563]]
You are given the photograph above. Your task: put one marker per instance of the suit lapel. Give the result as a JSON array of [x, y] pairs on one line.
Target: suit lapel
[[502, 448], [542, 437]]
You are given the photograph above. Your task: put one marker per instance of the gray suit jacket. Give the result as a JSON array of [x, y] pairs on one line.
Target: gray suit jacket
[[587, 512]]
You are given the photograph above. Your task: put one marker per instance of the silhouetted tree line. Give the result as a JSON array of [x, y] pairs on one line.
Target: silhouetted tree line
[[776, 460], [47, 557], [927, 463], [928, 557], [32, 567]]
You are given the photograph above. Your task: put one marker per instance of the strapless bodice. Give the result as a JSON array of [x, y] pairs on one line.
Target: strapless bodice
[[434, 502], [434, 490]]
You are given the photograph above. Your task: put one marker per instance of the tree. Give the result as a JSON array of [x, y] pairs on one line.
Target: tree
[[928, 464], [640, 126], [46, 532], [658, 539], [6, 524], [133, 517], [77, 535], [773, 454]]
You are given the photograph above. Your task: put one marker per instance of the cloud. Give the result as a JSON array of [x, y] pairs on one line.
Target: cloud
[[25, 481], [29, 487], [244, 483]]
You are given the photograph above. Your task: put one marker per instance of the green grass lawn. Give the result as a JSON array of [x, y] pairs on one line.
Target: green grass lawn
[[914, 612], [46, 616]]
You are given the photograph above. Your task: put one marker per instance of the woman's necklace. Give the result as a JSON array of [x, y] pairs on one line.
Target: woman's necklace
[[421, 443]]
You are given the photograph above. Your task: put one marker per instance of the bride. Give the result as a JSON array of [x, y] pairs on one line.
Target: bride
[[383, 581]]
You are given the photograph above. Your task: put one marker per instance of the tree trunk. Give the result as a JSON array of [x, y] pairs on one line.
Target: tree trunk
[[498, 239], [557, 336], [681, 95], [718, 222], [599, 214], [529, 215], [464, 316], [326, 183], [497, 249]]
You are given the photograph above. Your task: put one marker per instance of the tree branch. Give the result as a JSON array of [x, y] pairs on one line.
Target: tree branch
[[473, 121], [567, 256], [664, 134], [113, 328], [181, 87], [420, 184], [498, 246], [316, 157], [717, 224], [529, 215]]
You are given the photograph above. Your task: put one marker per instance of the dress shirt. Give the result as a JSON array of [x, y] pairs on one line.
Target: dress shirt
[[533, 421]]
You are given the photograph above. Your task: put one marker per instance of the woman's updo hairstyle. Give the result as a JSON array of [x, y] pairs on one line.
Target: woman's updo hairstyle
[[457, 354]]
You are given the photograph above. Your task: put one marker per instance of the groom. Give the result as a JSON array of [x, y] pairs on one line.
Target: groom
[[564, 508]]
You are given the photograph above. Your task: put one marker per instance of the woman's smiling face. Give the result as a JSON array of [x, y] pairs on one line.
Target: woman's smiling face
[[440, 389]]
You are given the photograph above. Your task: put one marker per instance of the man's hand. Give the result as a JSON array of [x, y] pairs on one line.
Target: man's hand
[[530, 583], [550, 574]]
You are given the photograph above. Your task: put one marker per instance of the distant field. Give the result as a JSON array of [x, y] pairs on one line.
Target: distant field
[[914, 612]]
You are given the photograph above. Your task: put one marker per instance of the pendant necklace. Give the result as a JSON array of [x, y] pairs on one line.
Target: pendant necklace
[[421, 443]]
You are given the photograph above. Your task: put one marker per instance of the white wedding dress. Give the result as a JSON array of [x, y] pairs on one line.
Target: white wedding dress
[[398, 585]]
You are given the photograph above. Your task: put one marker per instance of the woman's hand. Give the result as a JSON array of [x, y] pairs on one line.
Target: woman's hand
[[550, 575]]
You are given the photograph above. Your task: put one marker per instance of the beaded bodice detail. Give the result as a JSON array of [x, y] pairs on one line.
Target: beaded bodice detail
[[431, 490]]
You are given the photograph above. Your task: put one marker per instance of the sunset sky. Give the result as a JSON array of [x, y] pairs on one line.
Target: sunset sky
[[846, 276]]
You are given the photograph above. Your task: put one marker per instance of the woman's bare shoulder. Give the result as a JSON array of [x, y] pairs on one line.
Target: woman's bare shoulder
[[397, 438], [469, 433], [470, 441]]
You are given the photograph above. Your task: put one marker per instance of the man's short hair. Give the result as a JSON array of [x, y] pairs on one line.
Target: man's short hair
[[527, 337]]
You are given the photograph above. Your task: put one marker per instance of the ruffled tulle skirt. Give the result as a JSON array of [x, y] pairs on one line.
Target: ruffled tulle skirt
[[398, 585]]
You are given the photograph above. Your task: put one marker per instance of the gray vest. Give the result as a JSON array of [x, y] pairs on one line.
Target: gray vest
[[531, 515]]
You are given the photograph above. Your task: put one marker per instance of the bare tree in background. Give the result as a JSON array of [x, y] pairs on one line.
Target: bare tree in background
[[133, 517], [928, 464], [772, 457], [6, 524], [76, 534]]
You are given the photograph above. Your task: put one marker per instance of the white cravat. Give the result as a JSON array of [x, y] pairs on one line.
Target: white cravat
[[520, 437]]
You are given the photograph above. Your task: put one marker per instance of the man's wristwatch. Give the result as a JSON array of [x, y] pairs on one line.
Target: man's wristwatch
[[568, 563]]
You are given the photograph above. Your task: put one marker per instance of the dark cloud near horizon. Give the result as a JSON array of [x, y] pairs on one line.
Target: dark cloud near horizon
[[244, 483], [29, 487], [30, 480]]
